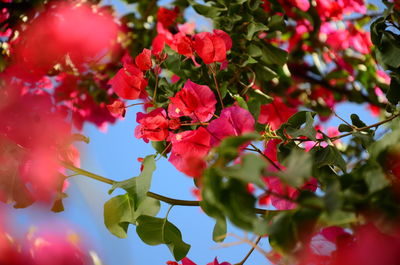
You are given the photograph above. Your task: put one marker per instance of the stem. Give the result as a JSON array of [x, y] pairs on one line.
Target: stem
[[87, 173], [155, 86], [172, 201], [366, 127], [249, 253], [256, 149], [153, 195], [343, 120], [135, 104], [350, 133], [371, 16], [216, 85]]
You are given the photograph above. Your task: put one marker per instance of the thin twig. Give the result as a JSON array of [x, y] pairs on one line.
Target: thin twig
[[343, 120], [214, 74], [155, 87], [247, 241], [250, 251], [256, 149]]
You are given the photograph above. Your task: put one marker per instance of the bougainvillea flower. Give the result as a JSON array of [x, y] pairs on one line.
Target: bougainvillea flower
[[152, 126], [129, 82], [196, 101], [31, 132], [233, 120], [303, 5], [188, 150], [117, 108], [166, 16], [223, 35], [158, 44], [367, 245], [342, 39], [182, 44], [329, 9], [275, 113], [271, 149], [215, 262], [185, 261], [212, 47], [143, 60]]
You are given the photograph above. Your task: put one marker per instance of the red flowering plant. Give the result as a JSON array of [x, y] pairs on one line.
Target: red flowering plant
[[240, 108]]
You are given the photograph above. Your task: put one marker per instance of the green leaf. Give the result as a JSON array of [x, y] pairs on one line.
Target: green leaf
[[242, 103], [388, 52], [356, 121], [377, 28], [264, 73], [363, 138], [249, 170], [220, 227], [282, 233], [120, 211], [329, 156], [219, 231], [254, 50], [138, 186], [294, 126], [207, 11], [156, 231], [160, 147], [253, 28], [276, 22], [273, 55], [393, 94], [338, 218], [230, 198], [345, 128], [296, 175]]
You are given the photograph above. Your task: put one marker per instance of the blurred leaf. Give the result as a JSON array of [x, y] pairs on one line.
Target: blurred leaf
[[296, 175], [294, 126], [254, 27], [282, 232], [329, 156], [229, 147], [393, 94], [375, 178], [249, 170], [273, 55]]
